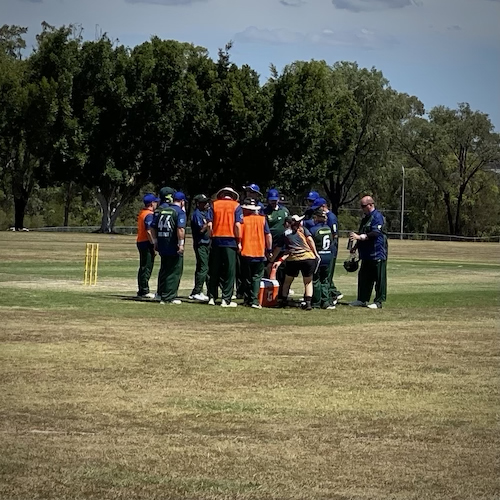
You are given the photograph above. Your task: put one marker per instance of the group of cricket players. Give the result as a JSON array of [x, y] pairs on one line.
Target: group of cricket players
[[238, 240]]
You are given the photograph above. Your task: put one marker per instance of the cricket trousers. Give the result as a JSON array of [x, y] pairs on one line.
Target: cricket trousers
[[146, 264], [169, 276], [331, 271], [322, 293], [372, 272], [251, 274], [222, 270], [202, 253]]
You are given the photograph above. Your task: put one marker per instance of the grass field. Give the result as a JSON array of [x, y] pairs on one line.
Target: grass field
[[104, 397]]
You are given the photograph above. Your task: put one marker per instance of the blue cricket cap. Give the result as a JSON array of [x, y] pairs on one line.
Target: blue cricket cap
[[179, 196], [318, 202], [252, 187], [273, 195], [312, 195], [150, 198]]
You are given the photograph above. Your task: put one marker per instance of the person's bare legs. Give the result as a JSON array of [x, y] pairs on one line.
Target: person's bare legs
[[308, 292]]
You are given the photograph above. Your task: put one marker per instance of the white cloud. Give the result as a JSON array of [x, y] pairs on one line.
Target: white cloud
[[164, 2], [361, 38], [292, 3], [372, 5]]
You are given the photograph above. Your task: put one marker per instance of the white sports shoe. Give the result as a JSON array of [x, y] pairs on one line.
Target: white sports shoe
[[176, 302], [256, 306], [211, 302], [340, 296], [357, 303], [149, 295], [200, 297], [234, 297], [229, 304], [331, 307], [374, 306]]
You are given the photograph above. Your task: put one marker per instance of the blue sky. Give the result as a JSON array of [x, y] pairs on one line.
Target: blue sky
[[442, 51]]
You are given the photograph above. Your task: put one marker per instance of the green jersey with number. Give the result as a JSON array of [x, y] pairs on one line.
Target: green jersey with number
[[324, 240]]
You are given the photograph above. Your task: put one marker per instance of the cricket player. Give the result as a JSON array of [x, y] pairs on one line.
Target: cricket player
[[332, 221], [145, 245], [252, 191], [169, 225], [301, 257], [324, 239], [225, 218], [310, 198], [201, 246], [371, 243], [256, 243], [276, 215]]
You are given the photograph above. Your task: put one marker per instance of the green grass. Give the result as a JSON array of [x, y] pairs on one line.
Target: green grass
[[106, 397]]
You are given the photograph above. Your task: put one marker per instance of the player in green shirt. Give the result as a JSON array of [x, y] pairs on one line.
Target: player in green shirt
[[275, 216]]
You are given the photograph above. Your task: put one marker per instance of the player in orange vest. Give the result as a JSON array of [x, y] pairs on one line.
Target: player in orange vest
[[145, 245], [225, 218], [256, 248]]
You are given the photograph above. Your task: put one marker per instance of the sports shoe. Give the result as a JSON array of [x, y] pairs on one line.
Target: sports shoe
[[149, 295], [228, 304], [357, 303], [205, 297], [375, 305], [331, 307], [157, 297], [200, 297], [340, 296], [211, 302], [256, 306], [176, 302]]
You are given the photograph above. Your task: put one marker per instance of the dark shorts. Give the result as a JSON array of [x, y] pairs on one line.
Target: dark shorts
[[306, 267]]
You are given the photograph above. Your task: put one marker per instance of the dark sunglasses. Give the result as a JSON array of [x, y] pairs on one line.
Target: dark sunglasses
[[367, 205]]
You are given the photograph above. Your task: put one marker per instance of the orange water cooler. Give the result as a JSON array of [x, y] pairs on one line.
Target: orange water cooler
[[269, 288]]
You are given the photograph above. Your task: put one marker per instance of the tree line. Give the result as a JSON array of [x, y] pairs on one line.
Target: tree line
[[96, 122]]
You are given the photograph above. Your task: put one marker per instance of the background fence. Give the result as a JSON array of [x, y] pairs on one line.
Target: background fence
[[131, 230]]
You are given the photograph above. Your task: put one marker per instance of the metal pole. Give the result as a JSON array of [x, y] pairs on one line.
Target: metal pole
[[402, 204]]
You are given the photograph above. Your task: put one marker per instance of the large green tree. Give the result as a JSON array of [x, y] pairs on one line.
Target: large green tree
[[333, 126], [452, 147]]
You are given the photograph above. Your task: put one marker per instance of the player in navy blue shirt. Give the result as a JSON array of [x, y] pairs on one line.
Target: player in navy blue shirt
[[332, 222], [310, 199], [324, 239], [371, 244], [169, 225], [201, 246]]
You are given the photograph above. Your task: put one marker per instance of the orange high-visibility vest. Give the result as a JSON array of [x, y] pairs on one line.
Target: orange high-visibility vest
[[223, 218], [253, 242], [142, 234]]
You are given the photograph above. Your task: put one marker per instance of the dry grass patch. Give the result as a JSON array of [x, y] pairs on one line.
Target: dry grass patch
[[125, 409]]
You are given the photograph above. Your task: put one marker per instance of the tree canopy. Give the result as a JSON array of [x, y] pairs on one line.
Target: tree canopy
[[96, 122]]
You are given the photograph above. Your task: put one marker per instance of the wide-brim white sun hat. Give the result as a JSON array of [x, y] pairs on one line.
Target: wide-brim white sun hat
[[230, 191]]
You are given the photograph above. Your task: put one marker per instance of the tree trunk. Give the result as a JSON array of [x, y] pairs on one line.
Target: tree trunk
[[458, 225], [449, 214], [109, 212], [67, 202], [20, 203], [106, 213]]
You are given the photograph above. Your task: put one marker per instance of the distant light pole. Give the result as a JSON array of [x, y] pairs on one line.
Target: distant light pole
[[402, 204]]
